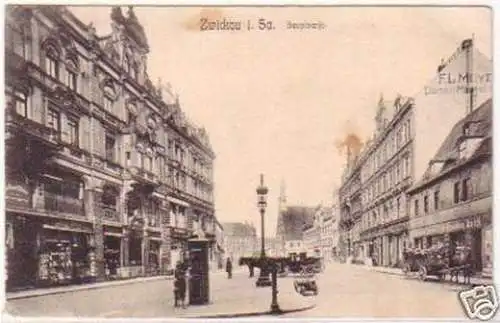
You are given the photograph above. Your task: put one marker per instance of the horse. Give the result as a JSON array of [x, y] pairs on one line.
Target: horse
[[462, 260]]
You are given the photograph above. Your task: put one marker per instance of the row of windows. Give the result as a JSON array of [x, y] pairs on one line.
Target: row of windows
[[461, 192], [390, 210], [388, 148], [394, 174]]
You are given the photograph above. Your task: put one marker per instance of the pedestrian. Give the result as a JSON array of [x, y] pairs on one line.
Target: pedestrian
[[179, 284], [250, 268], [229, 268]]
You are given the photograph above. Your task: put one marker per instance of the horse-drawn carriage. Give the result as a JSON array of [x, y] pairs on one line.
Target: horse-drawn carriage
[[439, 261], [293, 265]]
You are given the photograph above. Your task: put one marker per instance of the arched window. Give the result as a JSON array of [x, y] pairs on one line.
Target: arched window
[[109, 96], [52, 61], [71, 80]]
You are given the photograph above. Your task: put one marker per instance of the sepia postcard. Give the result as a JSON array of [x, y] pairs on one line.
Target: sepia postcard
[[169, 161]]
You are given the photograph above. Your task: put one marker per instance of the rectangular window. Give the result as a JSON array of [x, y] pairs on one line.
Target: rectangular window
[[73, 132], [465, 189], [21, 104], [398, 206], [71, 79], [15, 40], [52, 67], [127, 158], [456, 192], [110, 147], [416, 208], [407, 166], [436, 200], [108, 104], [398, 172], [150, 163], [426, 204], [53, 120]]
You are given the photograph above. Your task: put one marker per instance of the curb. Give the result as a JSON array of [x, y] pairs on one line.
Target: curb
[[251, 314], [41, 292]]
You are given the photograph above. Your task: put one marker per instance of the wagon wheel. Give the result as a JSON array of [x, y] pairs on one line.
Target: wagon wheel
[[422, 273]]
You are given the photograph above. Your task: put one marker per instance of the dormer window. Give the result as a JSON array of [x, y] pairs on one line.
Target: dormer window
[[462, 148], [436, 167]]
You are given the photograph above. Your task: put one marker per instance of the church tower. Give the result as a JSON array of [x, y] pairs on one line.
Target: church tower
[[282, 197]]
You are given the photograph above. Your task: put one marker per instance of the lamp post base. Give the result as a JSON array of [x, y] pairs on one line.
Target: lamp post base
[[275, 309], [263, 281]]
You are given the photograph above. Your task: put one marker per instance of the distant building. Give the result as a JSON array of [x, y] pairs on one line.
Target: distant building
[[290, 229], [240, 240], [218, 262], [452, 202]]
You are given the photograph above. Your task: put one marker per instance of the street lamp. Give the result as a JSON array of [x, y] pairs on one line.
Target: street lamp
[[262, 191]]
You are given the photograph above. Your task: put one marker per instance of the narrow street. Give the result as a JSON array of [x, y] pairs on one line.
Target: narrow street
[[353, 291]]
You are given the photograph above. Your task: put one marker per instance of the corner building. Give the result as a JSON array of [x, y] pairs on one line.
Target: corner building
[[105, 177]]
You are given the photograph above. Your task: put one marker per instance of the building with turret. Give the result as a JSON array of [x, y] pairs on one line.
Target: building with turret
[[105, 175]]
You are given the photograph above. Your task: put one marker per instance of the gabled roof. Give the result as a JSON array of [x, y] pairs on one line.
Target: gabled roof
[[447, 154], [294, 219]]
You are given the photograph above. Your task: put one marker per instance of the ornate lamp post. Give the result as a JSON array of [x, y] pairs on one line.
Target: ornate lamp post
[[262, 191]]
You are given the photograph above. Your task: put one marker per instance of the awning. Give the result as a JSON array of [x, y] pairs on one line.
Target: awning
[[68, 229]]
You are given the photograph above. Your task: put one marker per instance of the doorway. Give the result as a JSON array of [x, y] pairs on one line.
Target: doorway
[[22, 258]]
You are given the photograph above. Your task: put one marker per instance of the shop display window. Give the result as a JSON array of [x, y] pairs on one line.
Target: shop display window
[[64, 261]]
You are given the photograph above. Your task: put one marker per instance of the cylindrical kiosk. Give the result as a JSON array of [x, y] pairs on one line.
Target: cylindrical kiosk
[[199, 291]]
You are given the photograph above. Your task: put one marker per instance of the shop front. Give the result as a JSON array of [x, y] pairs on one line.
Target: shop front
[[65, 254], [153, 254], [112, 252], [462, 232]]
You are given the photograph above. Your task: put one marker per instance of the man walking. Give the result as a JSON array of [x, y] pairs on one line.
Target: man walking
[[229, 268]]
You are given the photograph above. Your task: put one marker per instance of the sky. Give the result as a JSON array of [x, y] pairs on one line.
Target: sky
[[281, 102]]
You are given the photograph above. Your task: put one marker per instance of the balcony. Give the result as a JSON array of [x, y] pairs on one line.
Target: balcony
[[63, 204], [110, 214], [45, 137], [144, 177]]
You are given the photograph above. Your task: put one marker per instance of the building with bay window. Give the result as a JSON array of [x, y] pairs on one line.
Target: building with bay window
[[105, 176]]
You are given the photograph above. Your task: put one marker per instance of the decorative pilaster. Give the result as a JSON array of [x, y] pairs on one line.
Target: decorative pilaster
[[92, 198], [165, 247]]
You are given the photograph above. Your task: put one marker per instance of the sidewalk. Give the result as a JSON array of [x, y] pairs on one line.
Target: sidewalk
[[399, 272], [242, 299], [74, 288], [152, 297]]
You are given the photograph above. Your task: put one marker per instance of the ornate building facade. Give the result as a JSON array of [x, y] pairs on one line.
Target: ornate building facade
[[104, 175]]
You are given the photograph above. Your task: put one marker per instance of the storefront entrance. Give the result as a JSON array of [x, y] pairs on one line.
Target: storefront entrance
[[22, 260], [112, 246]]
